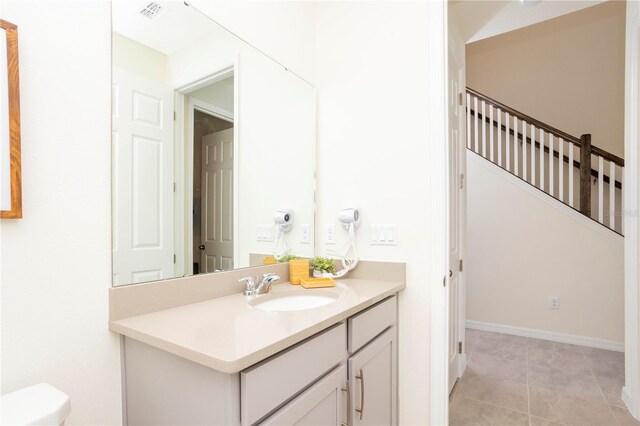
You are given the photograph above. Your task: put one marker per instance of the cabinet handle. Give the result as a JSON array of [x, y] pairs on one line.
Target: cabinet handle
[[361, 409], [345, 388]]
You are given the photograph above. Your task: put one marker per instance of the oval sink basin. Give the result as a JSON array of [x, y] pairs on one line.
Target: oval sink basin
[[293, 301]]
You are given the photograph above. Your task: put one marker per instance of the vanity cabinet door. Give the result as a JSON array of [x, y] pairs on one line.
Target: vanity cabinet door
[[373, 376], [324, 403]]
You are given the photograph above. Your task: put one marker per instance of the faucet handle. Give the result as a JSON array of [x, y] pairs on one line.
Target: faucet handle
[[249, 283]]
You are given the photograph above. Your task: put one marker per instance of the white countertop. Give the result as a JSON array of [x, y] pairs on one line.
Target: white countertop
[[229, 335]]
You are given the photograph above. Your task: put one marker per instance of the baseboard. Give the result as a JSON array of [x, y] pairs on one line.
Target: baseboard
[[572, 339], [462, 364], [626, 398]]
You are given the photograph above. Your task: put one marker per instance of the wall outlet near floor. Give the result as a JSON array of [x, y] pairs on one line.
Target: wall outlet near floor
[[554, 302], [330, 230]]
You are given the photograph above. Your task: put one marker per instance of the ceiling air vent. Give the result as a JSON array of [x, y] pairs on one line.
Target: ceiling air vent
[[152, 10]]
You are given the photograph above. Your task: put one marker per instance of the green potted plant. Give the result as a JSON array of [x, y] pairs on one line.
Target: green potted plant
[[286, 258], [322, 267]]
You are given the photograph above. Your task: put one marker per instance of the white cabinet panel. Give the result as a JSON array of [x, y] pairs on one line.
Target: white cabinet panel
[[269, 384], [366, 325], [372, 374], [324, 403]]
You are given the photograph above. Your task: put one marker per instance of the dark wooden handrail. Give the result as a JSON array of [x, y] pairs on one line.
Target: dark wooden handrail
[[540, 125], [556, 154]]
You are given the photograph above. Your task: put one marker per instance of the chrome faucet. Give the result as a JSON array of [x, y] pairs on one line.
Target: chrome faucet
[[251, 289]]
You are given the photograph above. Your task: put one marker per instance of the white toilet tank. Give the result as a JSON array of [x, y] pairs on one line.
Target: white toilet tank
[[40, 404]]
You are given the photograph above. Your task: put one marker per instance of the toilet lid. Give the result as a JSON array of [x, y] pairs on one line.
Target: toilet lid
[[40, 404]]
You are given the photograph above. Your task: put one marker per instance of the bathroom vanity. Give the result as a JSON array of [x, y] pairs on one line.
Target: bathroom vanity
[[229, 360]]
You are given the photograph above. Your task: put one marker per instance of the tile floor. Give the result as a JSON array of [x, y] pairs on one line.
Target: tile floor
[[513, 380]]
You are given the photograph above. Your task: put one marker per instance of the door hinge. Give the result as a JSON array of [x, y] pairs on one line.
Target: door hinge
[[444, 281], [460, 269], [460, 98], [174, 116], [459, 347], [174, 187], [174, 259], [461, 180]]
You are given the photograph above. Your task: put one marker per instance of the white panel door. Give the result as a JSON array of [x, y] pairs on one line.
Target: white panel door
[[456, 153], [373, 378], [142, 186], [217, 202], [324, 403]]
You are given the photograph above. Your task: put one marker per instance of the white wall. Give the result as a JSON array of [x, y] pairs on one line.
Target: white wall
[[276, 133], [378, 147], [219, 94], [55, 263], [523, 248], [137, 58], [284, 30], [484, 19]]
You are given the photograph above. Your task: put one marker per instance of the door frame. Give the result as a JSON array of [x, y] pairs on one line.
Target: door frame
[[631, 389], [439, 411], [184, 106], [209, 109], [460, 215]]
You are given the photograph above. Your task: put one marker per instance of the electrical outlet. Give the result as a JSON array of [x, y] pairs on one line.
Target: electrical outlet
[[264, 233], [383, 235], [554, 302], [330, 233], [305, 234]]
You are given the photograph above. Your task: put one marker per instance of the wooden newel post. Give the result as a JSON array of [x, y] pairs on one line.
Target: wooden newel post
[[585, 175]]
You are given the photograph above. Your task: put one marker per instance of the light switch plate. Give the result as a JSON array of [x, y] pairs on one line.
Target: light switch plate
[[305, 234], [383, 235], [265, 233], [330, 232]]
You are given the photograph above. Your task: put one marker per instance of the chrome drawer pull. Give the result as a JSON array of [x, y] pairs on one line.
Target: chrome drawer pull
[[345, 388], [361, 409]]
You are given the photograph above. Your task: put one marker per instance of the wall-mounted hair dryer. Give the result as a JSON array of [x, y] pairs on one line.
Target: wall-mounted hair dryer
[[283, 219], [350, 218]]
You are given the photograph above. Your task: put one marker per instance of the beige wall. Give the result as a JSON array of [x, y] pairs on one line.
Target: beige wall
[[524, 247], [567, 72]]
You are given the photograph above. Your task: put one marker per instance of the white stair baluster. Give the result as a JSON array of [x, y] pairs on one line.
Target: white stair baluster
[[533, 155], [515, 145], [542, 159], [551, 151], [612, 195], [571, 174], [484, 130], [499, 137], [491, 132], [475, 127], [561, 169], [507, 138], [468, 121], [600, 189], [524, 150]]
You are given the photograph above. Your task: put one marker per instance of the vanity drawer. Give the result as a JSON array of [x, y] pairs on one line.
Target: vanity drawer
[[366, 325], [266, 385]]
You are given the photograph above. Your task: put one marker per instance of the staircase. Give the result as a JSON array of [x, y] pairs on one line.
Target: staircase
[[569, 169]]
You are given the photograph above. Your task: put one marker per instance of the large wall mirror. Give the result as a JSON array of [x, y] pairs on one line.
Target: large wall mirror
[[211, 139]]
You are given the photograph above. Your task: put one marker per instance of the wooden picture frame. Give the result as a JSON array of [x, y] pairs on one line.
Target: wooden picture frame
[[10, 162]]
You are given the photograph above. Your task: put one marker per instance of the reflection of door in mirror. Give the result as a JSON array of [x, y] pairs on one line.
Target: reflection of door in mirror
[[213, 170], [142, 178]]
